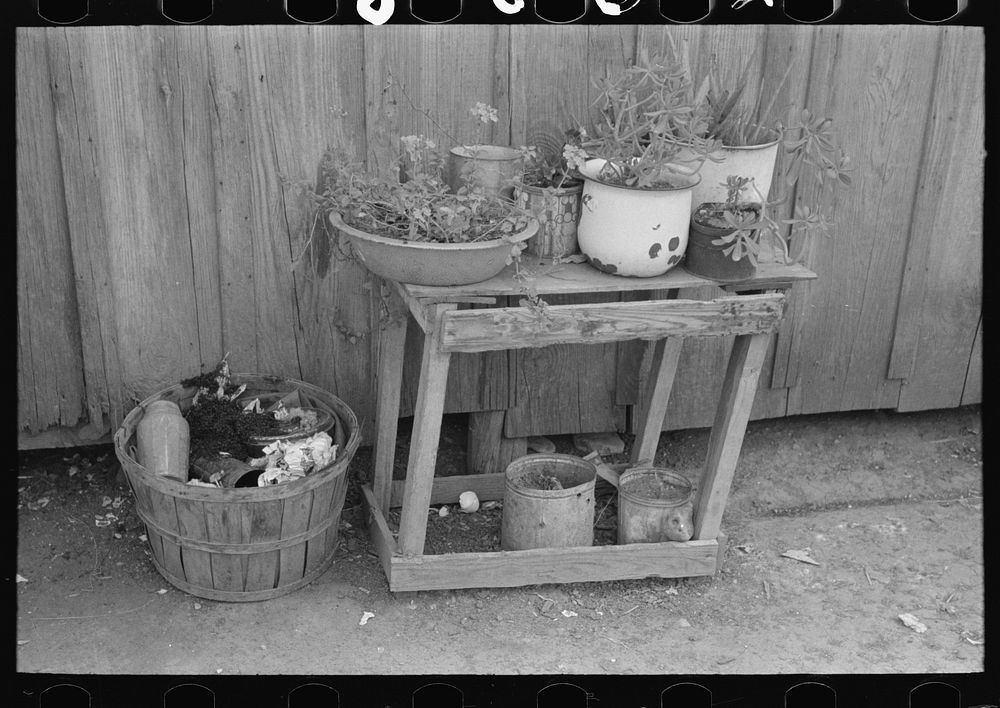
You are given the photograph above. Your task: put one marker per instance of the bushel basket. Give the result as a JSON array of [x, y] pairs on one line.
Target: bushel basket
[[244, 544]]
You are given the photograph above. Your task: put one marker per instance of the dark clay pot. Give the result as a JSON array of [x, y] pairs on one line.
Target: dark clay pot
[[705, 259]]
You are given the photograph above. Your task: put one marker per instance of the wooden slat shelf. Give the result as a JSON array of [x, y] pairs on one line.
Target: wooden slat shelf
[[580, 278], [750, 312]]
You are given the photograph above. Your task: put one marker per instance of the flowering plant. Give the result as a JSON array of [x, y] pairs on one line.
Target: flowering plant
[[417, 205], [553, 160]]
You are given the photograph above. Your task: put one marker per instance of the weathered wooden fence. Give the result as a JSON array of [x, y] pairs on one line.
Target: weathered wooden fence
[[161, 218]]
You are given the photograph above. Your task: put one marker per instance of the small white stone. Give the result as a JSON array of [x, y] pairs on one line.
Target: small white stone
[[469, 502]]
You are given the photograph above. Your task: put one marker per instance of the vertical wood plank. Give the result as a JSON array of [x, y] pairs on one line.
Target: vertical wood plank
[[488, 451], [277, 337], [80, 147], [874, 82], [666, 354], [941, 297], [50, 369], [424, 439], [233, 196], [193, 92], [726, 438], [389, 380], [788, 45]]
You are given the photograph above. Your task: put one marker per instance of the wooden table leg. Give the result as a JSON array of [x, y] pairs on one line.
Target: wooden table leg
[[666, 354], [424, 440], [730, 424], [388, 381]]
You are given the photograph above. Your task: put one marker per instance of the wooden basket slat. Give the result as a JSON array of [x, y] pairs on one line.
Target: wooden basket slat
[[264, 522], [243, 544], [192, 525], [172, 558], [191, 519], [164, 513], [330, 544], [294, 519], [262, 571], [155, 545], [316, 547], [228, 572], [163, 510], [225, 525], [321, 505], [197, 566]]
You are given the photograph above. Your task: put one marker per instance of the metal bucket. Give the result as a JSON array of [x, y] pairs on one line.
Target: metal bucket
[[548, 518], [654, 505]]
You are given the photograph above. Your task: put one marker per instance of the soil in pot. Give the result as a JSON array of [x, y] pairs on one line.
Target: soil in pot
[[536, 479], [548, 502], [650, 487], [222, 426]]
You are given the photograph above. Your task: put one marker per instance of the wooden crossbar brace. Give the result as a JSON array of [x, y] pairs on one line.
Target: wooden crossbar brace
[[519, 327]]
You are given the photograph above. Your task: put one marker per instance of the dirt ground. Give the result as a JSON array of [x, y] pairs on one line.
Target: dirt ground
[[888, 506]]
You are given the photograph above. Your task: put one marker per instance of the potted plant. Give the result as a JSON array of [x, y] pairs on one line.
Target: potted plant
[[726, 237], [636, 203], [550, 190], [412, 228], [748, 139], [491, 168]]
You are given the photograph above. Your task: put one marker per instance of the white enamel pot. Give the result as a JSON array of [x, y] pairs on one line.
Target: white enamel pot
[[754, 161], [634, 232]]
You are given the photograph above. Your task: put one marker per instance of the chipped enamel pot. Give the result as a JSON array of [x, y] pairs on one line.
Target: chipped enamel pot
[[753, 161], [634, 232]]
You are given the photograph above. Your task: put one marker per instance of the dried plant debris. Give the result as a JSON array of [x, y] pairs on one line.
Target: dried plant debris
[[534, 479], [801, 556]]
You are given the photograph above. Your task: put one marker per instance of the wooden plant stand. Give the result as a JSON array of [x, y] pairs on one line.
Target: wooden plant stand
[[751, 312]]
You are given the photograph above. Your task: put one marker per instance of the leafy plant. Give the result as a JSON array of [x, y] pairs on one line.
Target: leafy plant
[[552, 158], [808, 144], [419, 206], [751, 222], [647, 119]]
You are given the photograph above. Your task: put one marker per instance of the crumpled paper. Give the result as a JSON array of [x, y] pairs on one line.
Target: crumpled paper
[[288, 461]]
